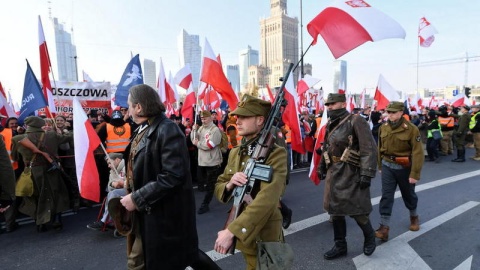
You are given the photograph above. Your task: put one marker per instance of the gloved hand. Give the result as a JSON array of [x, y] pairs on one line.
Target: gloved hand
[[364, 182]]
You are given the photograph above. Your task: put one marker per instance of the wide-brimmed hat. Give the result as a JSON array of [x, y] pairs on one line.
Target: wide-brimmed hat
[[122, 218], [335, 97]]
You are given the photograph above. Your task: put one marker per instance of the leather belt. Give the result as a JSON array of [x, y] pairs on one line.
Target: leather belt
[[389, 158], [336, 159]]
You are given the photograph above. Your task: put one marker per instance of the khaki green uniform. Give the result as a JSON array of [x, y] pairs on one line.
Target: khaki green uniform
[[50, 193], [261, 219], [7, 176], [404, 141]]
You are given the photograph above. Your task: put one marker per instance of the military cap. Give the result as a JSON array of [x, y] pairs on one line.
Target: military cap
[[34, 121], [395, 106], [335, 97], [252, 106], [122, 218], [205, 114]]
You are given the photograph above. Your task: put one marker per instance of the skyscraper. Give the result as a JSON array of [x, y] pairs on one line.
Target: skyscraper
[[339, 75], [278, 42], [233, 75], [190, 52], [150, 73], [66, 54], [246, 58]]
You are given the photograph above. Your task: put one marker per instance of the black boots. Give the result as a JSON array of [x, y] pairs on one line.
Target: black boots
[[339, 232], [460, 156], [369, 244]]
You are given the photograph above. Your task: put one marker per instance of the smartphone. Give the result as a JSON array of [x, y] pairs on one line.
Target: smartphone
[[5, 203]]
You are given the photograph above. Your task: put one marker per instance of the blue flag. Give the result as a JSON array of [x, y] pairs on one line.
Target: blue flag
[[131, 76], [33, 98]]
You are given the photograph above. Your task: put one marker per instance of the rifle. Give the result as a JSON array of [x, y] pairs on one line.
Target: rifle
[[255, 169], [25, 142]]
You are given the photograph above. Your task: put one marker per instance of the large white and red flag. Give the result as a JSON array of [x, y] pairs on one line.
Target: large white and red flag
[[416, 101], [184, 79], [212, 74], [460, 100], [426, 33], [5, 108], [318, 143], [384, 93], [345, 25], [305, 83], [161, 83], [86, 141], [45, 68], [290, 115]]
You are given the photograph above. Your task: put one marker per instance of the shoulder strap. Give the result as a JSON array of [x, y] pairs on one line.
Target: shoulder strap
[[40, 140]]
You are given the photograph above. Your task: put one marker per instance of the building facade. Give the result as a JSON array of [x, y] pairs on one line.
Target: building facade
[[149, 73], [339, 75], [246, 58], [190, 52], [66, 54]]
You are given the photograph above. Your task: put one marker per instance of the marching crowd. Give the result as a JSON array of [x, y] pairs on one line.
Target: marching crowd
[[216, 146]]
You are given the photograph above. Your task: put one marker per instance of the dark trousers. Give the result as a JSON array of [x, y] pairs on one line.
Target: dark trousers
[[209, 176], [390, 179], [432, 148]]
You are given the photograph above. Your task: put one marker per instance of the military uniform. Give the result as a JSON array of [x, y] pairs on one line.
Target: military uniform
[[460, 134], [50, 195], [400, 157], [261, 219]]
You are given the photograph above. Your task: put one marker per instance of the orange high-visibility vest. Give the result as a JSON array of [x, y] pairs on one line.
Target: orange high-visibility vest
[[238, 137], [116, 141], [288, 135], [318, 120], [7, 134], [446, 121]]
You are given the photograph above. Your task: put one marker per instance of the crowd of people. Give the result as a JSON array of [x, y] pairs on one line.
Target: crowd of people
[[151, 162]]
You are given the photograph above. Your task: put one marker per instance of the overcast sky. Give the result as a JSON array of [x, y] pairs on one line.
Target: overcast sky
[[106, 32]]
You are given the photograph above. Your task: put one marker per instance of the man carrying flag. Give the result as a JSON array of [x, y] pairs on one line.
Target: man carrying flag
[[349, 161]]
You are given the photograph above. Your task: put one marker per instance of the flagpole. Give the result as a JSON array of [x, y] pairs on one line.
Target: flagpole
[[418, 57]]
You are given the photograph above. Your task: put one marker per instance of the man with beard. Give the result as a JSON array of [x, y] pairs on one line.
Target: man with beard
[[348, 164]]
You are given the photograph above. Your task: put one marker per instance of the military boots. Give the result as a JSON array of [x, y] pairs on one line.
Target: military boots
[[369, 244], [414, 223], [382, 232], [339, 232]]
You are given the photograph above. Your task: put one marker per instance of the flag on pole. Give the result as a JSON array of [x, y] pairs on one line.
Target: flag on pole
[[384, 94], [86, 141], [45, 69], [212, 74], [184, 79], [131, 76], [86, 78], [426, 33], [290, 115], [346, 25], [6, 108], [305, 83], [318, 143], [33, 98]]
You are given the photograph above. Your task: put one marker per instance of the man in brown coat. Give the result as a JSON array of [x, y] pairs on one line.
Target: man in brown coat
[[348, 164]]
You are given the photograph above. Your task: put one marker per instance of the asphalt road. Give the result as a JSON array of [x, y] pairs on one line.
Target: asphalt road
[[449, 237]]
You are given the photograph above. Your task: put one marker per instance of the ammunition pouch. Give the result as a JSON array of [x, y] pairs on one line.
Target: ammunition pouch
[[351, 157]]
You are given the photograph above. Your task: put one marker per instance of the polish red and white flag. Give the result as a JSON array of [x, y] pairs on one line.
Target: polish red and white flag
[[212, 74], [185, 80], [362, 98], [318, 143], [384, 94], [426, 33], [86, 77], [345, 25], [305, 83], [5, 108], [86, 141], [45, 69], [290, 115], [460, 100]]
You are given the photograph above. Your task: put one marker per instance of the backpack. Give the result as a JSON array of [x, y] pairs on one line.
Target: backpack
[[224, 143]]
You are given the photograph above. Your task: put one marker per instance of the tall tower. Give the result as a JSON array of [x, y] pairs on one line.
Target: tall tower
[[66, 54], [279, 42], [246, 58], [150, 73], [339, 75], [190, 52]]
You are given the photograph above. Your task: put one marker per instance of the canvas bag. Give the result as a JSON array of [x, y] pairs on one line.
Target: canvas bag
[[24, 186], [276, 255]]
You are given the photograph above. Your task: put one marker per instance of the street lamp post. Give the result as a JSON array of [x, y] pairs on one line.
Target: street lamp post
[[76, 67]]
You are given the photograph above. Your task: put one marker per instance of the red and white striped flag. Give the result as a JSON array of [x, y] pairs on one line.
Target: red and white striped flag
[[426, 33], [5, 108], [184, 79], [384, 94], [362, 98], [290, 115], [86, 141], [45, 68], [318, 143]]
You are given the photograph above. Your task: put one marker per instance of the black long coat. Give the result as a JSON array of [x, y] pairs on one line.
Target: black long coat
[[164, 196]]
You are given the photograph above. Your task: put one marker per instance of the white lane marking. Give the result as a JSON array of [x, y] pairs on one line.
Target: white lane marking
[[465, 265], [315, 220], [397, 253]]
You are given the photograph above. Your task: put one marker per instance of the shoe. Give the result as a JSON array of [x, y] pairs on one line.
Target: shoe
[[287, 219], [11, 228], [382, 232], [42, 228], [414, 223], [97, 225], [476, 158], [458, 160], [203, 209], [338, 250], [58, 225]]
